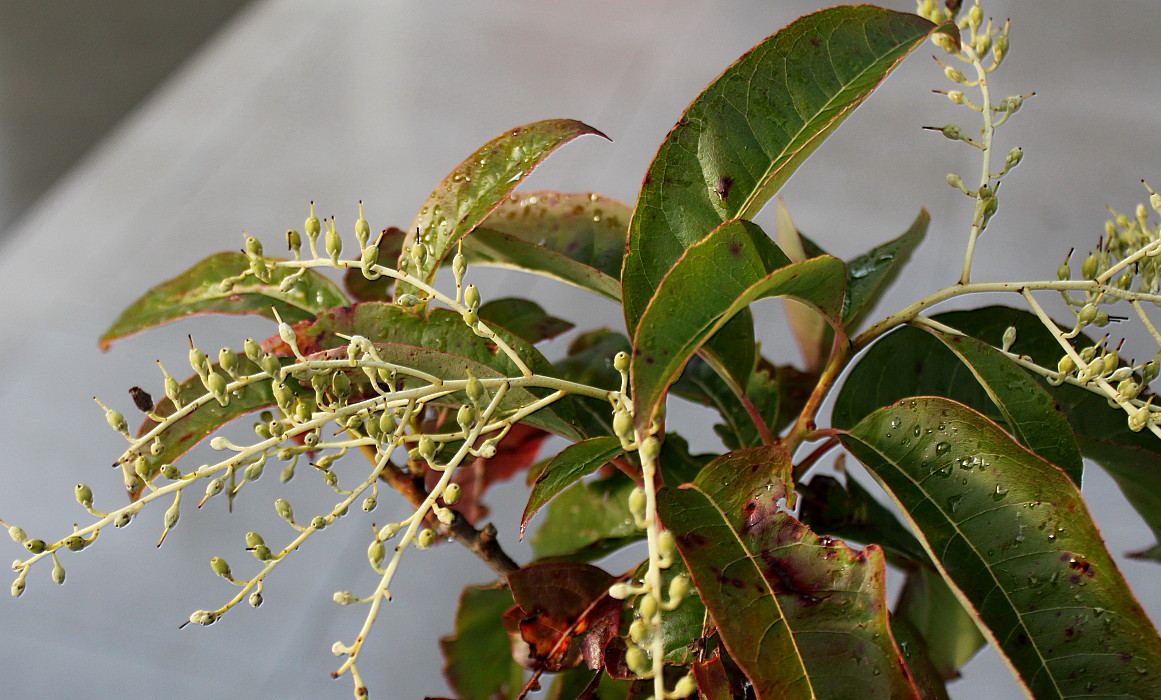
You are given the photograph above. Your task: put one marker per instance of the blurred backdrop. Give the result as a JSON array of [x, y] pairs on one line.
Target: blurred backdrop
[[251, 110]]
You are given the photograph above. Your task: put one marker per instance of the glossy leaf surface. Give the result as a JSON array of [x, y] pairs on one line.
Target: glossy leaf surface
[[1012, 534], [715, 279], [575, 238], [918, 365], [786, 602], [569, 466], [949, 632], [743, 137], [479, 184], [587, 521], [198, 291], [871, 274]]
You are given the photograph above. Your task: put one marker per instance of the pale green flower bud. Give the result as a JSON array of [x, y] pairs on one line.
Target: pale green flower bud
[[84, 495], [621, 362], [425, 538], [58, 572], [650, 448], [471, 297], [282, 507], [389, 531], [202, 617], [637, 660], [333, 242], [35, 546], [620, 591], [345, 597], [451, 494], [685, 687], [375, 553], [294, 241], [407, 300], [362, 228], [369, 504], [1000, 48], [221, 568], [1009, 338], [255, 599], [318, 522], [1089, 269], [17, 586], [955, 75], [17, 534], [639, 631]]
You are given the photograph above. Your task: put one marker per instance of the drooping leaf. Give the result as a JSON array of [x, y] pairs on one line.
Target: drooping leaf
[[1011, 533], [917, 365], [567, 613], [1025, 406], [583, 684], [478, 661], [479, 184], [871, 274], [743, 137], [712, 680], [712, 281], [439, 344], [198, 290], [575, 238], [587, 521], [787, 604], [949, 632], [524, 319], [573, 463]]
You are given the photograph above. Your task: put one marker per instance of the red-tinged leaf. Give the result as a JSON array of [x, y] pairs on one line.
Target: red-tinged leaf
[[514, 454], [786, 602], [1010, 532], [478, 661], [523, 318], [198, 291], [439, 344], [712, 680], [583, 684], [479, 184], [572, 464], [578, 239], [714, 280], [566, 613], [200, 422], [744, 136]]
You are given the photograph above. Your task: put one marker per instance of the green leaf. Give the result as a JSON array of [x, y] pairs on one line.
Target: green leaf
[[787, 604], [198, 291], [479, 185], [478, 657], [572, 464], [1028, 409], [186, 432], [871, 274], [1011, 533], [587, 520], [713, 280], [744, 136], [571, 684], [916, 365], [949, 632], [439, 344], [524, 319], [575, 238]]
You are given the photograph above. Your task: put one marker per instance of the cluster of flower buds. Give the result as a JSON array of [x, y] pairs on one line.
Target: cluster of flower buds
[[1125, 256]]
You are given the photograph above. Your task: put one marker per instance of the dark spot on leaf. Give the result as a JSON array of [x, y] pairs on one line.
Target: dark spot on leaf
[[1125, 657], [735, 248], [725, 182], [692, 540], [735, 582]]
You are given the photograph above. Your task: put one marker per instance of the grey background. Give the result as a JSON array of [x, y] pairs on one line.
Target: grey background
[[341, 101]]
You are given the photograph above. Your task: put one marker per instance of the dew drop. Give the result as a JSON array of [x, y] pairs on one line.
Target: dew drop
[[896, 422], [917, 431], [999, 493], [942, 448]]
